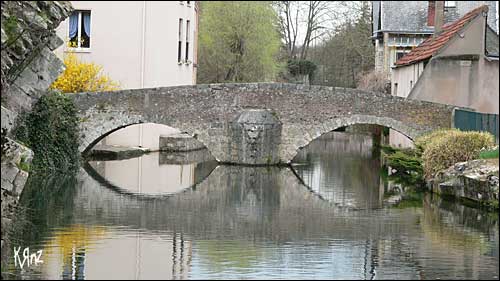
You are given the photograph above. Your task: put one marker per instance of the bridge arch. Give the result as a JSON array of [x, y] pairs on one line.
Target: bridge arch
[[336, 123], [103, 125], [91, 144]]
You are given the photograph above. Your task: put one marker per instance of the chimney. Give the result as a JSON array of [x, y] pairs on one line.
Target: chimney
[[430, 13], [438, 18]]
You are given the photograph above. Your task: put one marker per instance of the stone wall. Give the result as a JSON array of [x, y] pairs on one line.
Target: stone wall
[[183, 158], [28, 67], [28, 38], [206, 112], [475, 180], [179, 143]]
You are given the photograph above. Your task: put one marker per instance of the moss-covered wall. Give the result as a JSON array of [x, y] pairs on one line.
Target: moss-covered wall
[[28, 67]]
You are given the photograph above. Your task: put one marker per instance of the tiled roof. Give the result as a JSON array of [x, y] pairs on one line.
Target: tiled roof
[[432, 44]]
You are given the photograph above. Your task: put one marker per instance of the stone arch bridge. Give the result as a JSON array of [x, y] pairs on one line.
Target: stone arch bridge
[[254, 123]]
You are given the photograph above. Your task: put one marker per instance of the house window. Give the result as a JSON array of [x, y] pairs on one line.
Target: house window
[[179, 48], [450, 4], [187, 39], [79, 29], [400, 55]]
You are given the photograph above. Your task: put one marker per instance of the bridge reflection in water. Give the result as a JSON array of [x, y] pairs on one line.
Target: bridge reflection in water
[[154, 174], [247, 222]]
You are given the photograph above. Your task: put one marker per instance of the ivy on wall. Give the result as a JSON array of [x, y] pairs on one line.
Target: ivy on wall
[[51, 131]]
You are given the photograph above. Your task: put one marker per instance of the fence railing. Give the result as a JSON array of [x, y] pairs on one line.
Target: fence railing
[[466, 120]]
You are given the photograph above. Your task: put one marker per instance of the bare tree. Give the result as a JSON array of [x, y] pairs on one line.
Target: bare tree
[[346, 52], [316, 16], [295, 14], [302, 22], [289, 24]]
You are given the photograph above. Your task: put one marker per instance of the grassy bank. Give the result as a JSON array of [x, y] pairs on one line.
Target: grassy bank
[[436, 152], [489, 154]]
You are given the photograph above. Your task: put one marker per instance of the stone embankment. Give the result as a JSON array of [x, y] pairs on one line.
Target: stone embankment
[[179, 143], [174, 143], [114, 152], [474, 181], [28, 67]]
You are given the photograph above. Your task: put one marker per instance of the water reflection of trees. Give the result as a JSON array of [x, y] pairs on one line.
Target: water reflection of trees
[[47, 200], [46, 204], [461, 237], [441, 219], [341, 167]]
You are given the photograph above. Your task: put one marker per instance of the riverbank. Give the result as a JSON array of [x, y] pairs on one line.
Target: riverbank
[[473, 182], [452, 163]]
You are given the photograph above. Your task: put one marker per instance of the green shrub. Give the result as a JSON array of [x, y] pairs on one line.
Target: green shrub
[[407, 165], [446, 148], [51, 131], [402, 161], [301, 67]]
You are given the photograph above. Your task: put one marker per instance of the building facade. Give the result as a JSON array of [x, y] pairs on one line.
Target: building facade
[[458, 66], [400, 26], [139, 44]]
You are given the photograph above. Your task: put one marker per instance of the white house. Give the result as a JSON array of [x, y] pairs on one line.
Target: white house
[[140, 44], [457, 66], [400, 26]]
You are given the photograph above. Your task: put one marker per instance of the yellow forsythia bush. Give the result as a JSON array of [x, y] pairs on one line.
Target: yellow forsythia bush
[[444, 148], [82, 77]]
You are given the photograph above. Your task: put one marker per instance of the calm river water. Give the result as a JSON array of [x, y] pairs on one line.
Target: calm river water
[[166, 216]]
